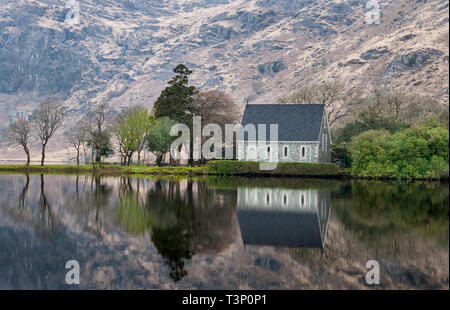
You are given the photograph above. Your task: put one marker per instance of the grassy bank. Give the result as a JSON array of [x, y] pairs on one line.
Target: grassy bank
[[47, 169], [105, 169], [218, 168], [212, 168]]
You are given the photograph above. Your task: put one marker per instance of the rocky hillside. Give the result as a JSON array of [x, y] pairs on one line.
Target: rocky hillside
[[123, 51]]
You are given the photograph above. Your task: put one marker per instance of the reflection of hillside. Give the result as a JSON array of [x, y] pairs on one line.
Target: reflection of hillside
[[377, 210], [406, 261], [402, 225], [39, 214]]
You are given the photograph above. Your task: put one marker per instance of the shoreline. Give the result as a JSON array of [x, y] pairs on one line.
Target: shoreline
[[113, 170]]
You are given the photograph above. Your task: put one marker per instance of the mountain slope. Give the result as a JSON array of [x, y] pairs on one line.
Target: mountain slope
[[123, 51]]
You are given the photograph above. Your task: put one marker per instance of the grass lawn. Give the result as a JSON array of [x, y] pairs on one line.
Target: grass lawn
[[212, 168], [105, 169]]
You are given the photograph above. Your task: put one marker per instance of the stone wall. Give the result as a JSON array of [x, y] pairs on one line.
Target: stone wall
[[258, 151], [324, 153]]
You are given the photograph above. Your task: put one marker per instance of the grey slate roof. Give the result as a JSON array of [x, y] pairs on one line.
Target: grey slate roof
[[296, 122]]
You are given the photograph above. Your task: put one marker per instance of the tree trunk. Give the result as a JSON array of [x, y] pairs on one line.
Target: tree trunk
[[158, 159], [92, 158], [78, 157], [85, 155], [139, 157], [99, 156], [43, 155], [28, 155], [191, 153]]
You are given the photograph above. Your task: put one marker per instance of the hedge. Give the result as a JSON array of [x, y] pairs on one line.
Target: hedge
[[249, 168]]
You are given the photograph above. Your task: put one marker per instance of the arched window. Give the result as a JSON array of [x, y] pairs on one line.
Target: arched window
[[251, 153], [303, 152], [267, 198], [302, 199], [286, 151]]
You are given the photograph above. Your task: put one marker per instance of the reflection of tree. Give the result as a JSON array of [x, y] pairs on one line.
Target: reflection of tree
[[21, 213], [101, 194], [93, 198], [380, 209], [46, 222], [77, 190], [173, 237], [174, 245], [42, 217], [183, 217], [23, 193], [214, 219]]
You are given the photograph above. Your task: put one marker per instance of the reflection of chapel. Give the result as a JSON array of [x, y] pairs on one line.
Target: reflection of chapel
[[283, 217]]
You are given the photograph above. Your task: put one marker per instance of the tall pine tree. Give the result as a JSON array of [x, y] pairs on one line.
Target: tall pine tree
[[176, 100]]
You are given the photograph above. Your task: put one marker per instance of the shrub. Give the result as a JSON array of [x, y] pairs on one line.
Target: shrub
[[420, 152], [438, 168], [367, 148]]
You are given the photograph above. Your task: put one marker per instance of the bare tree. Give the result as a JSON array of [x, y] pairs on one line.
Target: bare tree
[[19, 132], [76, 137], [47, 119], [339, 101], [98, 138], [215, 106], [402, 107]]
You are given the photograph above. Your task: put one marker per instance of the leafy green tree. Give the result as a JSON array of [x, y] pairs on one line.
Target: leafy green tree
[[100, 142], [176, 100], [132, 127], [159, 139], [438, 142], [368, 152], [420, 152]]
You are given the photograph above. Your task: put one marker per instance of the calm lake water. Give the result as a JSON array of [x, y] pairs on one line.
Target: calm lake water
[[221, 233]]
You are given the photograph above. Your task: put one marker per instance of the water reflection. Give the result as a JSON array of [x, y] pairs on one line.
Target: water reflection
[[184, 218], [39, 215], [283, 217], [379, 212], [220, 233]]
